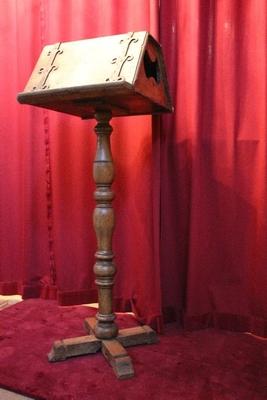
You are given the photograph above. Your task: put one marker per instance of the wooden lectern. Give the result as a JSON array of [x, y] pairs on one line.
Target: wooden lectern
[[99, 78]]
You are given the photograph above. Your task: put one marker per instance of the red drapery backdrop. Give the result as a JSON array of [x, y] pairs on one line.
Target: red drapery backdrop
[[191, 197], [213, 164]]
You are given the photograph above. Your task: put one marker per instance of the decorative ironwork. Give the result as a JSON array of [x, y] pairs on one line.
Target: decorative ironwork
[[50, 67], [121, 60]]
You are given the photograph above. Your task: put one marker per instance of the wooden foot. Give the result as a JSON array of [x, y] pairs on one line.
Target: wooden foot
[[66, 348], [118, 358], [136, 336]]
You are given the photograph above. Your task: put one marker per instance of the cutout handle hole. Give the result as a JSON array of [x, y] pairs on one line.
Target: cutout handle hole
[[151, 68]]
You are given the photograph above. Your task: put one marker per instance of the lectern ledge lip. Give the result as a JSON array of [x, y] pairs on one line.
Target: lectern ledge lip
[[33, 97]]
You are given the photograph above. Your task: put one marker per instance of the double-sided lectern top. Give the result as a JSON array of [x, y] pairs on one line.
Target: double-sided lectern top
[[123, 73]]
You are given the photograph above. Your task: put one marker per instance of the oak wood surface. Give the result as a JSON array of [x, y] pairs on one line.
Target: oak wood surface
[[118, 358], [104, 221], [71, 347]]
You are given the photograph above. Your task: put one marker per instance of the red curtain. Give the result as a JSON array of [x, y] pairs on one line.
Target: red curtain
[[191, 196], [213, 164], [47, 239]]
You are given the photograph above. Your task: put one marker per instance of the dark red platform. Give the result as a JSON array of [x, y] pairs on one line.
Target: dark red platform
[[200, 365]]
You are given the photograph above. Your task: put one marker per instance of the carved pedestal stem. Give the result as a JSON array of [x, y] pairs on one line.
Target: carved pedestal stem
[[103, 332], [103, 218]]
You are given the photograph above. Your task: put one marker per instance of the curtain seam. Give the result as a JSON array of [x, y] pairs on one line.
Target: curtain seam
[[48, 170]]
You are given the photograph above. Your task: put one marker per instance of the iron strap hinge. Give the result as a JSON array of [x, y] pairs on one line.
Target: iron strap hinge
[[45, 72], [121, 60]]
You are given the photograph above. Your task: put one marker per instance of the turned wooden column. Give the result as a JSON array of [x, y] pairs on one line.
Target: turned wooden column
[[103, 219]]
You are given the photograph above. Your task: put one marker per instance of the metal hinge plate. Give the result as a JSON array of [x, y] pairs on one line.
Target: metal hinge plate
[[50, 66], [122, 58]]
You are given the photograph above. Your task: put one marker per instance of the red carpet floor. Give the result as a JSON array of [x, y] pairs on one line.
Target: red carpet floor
[[201, 365]]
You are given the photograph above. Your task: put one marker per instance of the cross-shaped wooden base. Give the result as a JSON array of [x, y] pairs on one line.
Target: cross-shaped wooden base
[[112, 349]]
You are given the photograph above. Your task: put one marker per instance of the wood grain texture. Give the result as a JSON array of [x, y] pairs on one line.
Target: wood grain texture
[[66, 348], [136, 336], [104, 221], [118, 358], [89, 325]]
